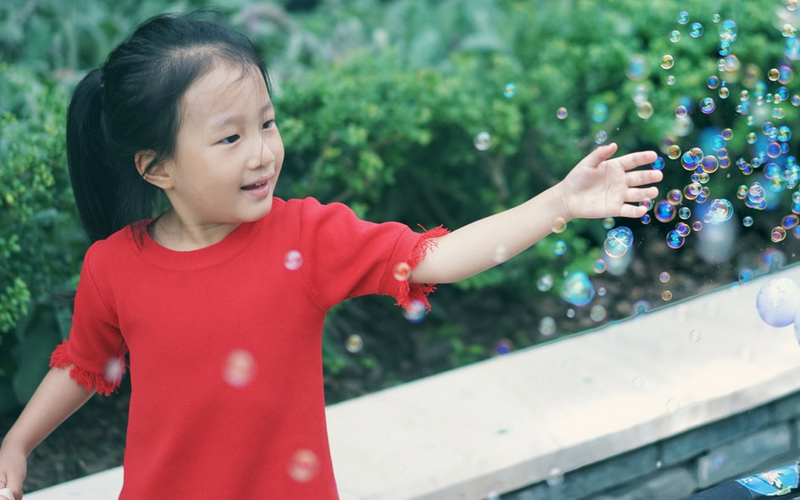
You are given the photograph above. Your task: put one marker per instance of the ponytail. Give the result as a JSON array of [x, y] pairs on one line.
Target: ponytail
[[109, 196]]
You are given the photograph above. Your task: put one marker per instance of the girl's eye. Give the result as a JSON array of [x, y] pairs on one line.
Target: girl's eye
[[225, 139], [267, 125]]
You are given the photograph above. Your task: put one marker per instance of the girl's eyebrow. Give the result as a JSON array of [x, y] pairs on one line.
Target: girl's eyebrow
[[226, 119]]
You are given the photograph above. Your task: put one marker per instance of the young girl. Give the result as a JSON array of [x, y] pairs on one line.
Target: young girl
[[220, 299]]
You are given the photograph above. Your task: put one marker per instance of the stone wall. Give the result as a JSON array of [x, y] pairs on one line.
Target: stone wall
[[740, 445]]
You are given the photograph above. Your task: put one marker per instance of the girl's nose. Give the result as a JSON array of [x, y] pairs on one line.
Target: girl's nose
[[265, 154]]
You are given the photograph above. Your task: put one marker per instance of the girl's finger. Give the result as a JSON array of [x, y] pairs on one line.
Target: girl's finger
[[636, 194], [642, 177], [633, 160], [602, 153], [632, 211]]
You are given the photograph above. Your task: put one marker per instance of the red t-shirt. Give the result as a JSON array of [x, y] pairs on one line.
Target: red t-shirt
[[225, 346]]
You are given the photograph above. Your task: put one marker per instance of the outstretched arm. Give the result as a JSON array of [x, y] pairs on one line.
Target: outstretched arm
[[599, 186]]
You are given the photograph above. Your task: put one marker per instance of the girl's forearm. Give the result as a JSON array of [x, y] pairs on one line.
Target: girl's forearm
[[57, 397], [491, 240]]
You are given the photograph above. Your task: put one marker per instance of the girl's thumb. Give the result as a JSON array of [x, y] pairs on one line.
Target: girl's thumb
[[7, 493]]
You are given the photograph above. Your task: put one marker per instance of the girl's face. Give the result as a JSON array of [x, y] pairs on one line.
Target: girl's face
[[228, 151]]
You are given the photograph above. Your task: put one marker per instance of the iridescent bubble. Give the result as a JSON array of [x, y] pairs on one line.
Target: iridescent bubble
[[683, 229], [601, 137], [741, 192], [601, 292], [744, 95], [778, 302], [724, 92], [720, 210], [707, 105], [790, 222], [547, 326], [570, 313], [561, 113], [618, 241], [773, 150], [713, 82], [666, 295], [641, 307], [675, 196], [796, 100], [673, 152], [716, 18], [560, 248], [600, 267], [728, 30], [771, 259], [674, 36], [597, 313], [645, 219], [694, 336], [778, 234], [415, 312], [773, 74], [545, 283], [691, 160], [710, 164], [239, 368], [756, 193], [637, 67], [664, 211], [667, 61], [692, 191], [718, 142], [608, 222], [599, 113], [555, 478], [510, 90], [664, 277], [482, 141], [696, 30], [644, 110], [681, 111], [747, 221], [402, 271], [559, 225], [671, 80], [746, 276], [684, 213], [674, 239], [697, 225], [784, 133], [577, 289], [727, 134], [751, 138], [723, 49], [683, 17], [789, 31], [658, 164], [293, 260], [778, 113], [354, 343], [303, 466]]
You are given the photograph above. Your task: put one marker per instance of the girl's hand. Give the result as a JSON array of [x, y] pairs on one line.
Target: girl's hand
[[13, 469], [600, 186]]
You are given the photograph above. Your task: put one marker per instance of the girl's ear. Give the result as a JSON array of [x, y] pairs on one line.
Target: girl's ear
[[158, 175]]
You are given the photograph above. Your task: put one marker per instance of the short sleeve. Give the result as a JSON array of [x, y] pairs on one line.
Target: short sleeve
[[344, 256], [95, 346]]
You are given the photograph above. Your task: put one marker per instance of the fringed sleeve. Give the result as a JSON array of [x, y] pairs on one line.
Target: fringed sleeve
[[104, 383], [411, 293]]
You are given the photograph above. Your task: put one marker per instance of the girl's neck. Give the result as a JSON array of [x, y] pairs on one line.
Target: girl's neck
[[169, 231]]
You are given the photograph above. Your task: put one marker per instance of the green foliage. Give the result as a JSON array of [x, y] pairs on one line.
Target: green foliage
[[378, 104]]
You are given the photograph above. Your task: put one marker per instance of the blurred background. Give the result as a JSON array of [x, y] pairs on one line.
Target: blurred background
[[437, 113]]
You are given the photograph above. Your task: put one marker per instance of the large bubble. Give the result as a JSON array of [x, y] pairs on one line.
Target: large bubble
[[778, 302], [577, 289], [618, 241], [720, 210]]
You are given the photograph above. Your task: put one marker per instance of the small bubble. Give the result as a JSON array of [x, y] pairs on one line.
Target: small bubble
[[510, 90], [415, 312], [746, 276], [663, 277], [402, 271], [707, 105], [503, 346], [778, 234], [696, 30], [716, 18], [608, 222], [673, 406], [555, 478], [303, 466], [354, 343], [773, 74], [671, 80], [666, 295], [659, 464], [683, 17], [577, 289], [570, 313], [713, 82], [559, 225], [561, 113], [681, 111], [601, 137], [644, 110], [239, 368], [658, 164], [667, 61], [674, 152], [545, 283], [293, 260], [483, 141], [618, 241], [684, 213], [674, 36], [747, 221], [675, 240], [597, 313], [601, 292], [600, 266], [694, 336], [665, 211], [560, 248]]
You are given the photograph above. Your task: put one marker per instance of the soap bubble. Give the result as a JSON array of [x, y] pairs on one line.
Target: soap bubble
[[720, 210], [239, 368], [637, 67], [483, 141], [707, 105], [510, 90], [601, 137], [675, 240], [747, 221], [674, 196], [293, 260], [561, 113], [644, 110], [555, 478], [790, 222], [354, 343], [681, 111], [577, 289], [667, 61], [674, 151], [778, 234], [618, 241], [682, 228], [547, 326], [666, 295], [608, 222], [696, 30], [545, 283], [600, 266], [599, 113], [503, 346], [664, 277], [303, 466], [658, 164], [674, 36], [694, 336], [716, 18], [560, 248], [728, 31], [559, 225], [671, 80], [597, 313], [402, 271], [713, 82], [773, 74], [415, 312], [778, 302], [683, 17], [684, 213], [746, 276], [664, 211]]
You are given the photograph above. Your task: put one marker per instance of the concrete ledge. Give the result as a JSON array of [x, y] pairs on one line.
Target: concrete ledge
[[512, 421]]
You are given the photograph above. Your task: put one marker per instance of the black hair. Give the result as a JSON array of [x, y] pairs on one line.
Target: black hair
[[131, 104]]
